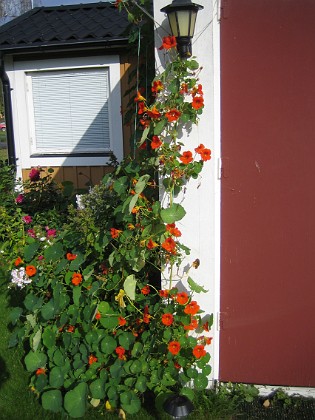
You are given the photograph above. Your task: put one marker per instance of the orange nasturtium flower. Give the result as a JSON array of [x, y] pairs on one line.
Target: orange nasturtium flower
[[153, 112], [18, 261], [197, 102], [156, 142], [30, 270], [40, 371], [192, 308], [173, 115], [71, 257], [174, 347], [205, 154], [168, 42], [167, 319], [139, 97], [115, 232], [173, 230], [186, 157], [98, 315], [157, 86], [151, 244], [120, 351], [145, 290], [164, 293], [169, 245], [76, 279], [92, 359], [71, 329], [121, 321], [199, 351], [182, 298], [192, 326]]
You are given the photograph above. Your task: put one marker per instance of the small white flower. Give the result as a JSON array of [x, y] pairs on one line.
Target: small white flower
[[20, 278]]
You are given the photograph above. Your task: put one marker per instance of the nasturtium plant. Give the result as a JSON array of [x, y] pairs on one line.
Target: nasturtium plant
[[98, 328]]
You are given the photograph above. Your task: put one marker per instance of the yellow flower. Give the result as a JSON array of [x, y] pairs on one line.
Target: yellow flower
[[107, 405], [120, 298]]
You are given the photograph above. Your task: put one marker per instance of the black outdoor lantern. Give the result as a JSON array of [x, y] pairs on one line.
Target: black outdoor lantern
[[178, 406], [182, 16]]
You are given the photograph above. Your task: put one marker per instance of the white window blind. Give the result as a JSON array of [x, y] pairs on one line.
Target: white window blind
[[71, 110]]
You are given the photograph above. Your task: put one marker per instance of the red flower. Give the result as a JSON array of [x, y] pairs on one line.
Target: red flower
[[192, 308], [71, 257], [76, 279], [27, 219], [98, 315], [174, 347], [156, 142], [121, 321], [186, 157], [197, 102], [19, 199], [34, 175], [173, 230], [205, 154], [30, 270], [173, 115], [151, 244], [40, 371], [146, 316], [177, 365], [115, 232], [141, 108], [169, 245], [92, 359], [192, 326], [139, 97], [164, 293], [205, 326], [200, 148], [145, 290], [167, 319], [168, 42], [120, 351], [157, 86], [71, 329], [18, 261], [182, 298], [199, 351], [153, 113]]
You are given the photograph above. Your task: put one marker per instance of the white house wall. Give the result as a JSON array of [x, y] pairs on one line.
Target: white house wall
[[201, 226]]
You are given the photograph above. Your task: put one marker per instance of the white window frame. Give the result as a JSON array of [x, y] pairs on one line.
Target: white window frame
[[24, 113]]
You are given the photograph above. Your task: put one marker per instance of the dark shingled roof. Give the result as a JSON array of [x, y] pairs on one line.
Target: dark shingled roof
[[65, 26]]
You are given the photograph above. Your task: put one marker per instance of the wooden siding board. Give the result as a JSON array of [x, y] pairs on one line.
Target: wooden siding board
[[268, 205]]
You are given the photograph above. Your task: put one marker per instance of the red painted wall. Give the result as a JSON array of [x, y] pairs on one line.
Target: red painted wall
[[268, 192]]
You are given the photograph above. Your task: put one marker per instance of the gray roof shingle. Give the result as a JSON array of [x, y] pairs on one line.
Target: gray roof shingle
[[64, 26]]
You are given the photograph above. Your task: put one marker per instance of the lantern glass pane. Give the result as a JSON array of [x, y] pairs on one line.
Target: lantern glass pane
[[183, 18], [173, 23]]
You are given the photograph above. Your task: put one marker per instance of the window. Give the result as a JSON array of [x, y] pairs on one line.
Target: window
[[70, 110], [73, 110]]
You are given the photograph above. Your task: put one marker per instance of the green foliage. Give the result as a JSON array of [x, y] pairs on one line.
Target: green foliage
[[94, 321]]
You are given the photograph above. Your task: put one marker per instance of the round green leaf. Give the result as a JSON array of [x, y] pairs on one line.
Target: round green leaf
[[75, 400], [52, 400], [200, 382], [56, 377], [49, 337], [137, 349], [173, 214], [108, 345], [48, 310], [97, 389], [130, 402], [136, 367], [54, 252], [126, 340], [141, 384], [34, 360]]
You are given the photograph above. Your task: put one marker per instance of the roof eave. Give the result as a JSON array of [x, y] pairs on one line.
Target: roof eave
[[107, 44]]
